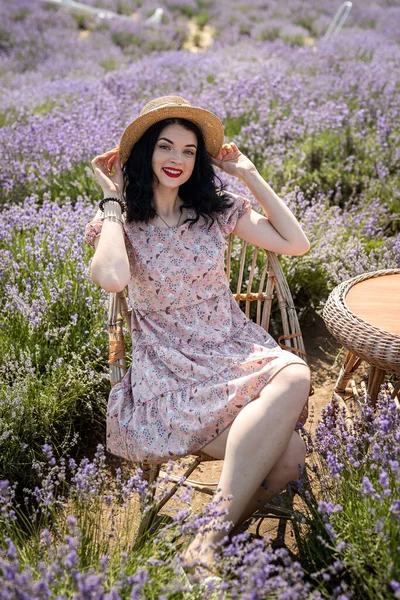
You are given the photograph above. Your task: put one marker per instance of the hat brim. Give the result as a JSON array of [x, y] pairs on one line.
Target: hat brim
[[210, 125]]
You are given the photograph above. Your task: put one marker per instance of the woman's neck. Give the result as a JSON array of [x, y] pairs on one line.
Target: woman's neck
[[167, 205]]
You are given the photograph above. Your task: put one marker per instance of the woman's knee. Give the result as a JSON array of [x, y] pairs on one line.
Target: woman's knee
[[293, 379], [297, 374]]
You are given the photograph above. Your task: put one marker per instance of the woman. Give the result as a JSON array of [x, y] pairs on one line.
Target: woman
[[203, 376]]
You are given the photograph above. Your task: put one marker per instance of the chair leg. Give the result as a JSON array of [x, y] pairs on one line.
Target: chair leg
[[284, 514], [395, 393], [350, 365], [375, 380], [279, 541], [148, 511], [148, 508]]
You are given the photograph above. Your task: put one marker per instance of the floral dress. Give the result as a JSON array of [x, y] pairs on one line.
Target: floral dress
[[197, 360]]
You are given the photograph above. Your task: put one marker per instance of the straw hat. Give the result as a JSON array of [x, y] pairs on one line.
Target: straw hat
[[167, 107]]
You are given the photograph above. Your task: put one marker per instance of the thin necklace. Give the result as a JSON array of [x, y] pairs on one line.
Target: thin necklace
[[170, 226]]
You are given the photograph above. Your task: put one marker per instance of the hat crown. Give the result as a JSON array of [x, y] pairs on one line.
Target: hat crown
[[164, 101], [173, 107]]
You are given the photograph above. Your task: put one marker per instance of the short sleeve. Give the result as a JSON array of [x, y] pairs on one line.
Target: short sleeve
[[92, 231], [230, 217]]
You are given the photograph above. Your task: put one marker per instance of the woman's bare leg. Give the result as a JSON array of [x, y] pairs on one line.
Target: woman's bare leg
[[287, 468], [251, 446]]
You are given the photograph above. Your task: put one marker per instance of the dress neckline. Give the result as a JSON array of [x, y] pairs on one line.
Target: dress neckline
[[190, 213]]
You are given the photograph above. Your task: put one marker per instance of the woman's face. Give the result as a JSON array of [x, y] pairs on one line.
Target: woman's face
[[174, 155]]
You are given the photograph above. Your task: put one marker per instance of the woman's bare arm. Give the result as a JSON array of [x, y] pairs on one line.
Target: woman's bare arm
[[279, 231], [110, 267]]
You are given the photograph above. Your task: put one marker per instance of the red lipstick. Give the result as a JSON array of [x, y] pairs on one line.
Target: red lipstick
[[174, 173]]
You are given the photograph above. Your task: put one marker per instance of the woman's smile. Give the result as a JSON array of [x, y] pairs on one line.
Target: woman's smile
[[172, 172]]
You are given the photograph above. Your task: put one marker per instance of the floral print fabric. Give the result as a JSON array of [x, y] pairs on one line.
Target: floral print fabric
[[197, 359]]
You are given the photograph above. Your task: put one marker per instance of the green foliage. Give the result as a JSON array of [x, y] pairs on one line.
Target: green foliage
[[8, 117], [341, 165], [66, 184], [366, 55], [245, 29], [81, 19], [110, 64], [46, 107], [125, 39], [99, 527], [244, 8], [124, 8], [304, 22], [269, 35], [50, 6], [197, 39], [20, 15], [64, 406], [186, 10], [362, 530], [293, 40], [367, 23], [233, 125], [308, 282], [373, 244], [202, 18], [5, 39]]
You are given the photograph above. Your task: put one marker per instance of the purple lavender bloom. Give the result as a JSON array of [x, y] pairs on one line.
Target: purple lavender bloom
[[46, 536], [138, 581], [328, 508], [384, 479], [395, 585], [71, 560], [367, 486], [395, 508], [47, 451]]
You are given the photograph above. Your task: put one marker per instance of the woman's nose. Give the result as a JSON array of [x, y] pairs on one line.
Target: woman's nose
[[176, 156]]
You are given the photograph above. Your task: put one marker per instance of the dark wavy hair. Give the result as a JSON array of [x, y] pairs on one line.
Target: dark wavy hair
[[200, 192]]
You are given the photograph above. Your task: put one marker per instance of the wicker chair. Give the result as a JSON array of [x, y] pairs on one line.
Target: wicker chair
[[271, 284]]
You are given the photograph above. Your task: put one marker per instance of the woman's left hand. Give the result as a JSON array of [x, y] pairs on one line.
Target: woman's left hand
[[232, 161]]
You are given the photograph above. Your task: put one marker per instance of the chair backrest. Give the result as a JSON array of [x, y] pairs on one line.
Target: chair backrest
[[264, 271]]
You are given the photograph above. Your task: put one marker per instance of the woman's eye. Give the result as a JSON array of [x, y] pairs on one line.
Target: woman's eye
[[167, 147]]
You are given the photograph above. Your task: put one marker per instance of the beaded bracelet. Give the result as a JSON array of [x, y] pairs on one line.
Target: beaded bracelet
[[122, 204]]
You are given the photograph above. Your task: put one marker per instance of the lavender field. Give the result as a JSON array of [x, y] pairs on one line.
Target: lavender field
[[320, 120]]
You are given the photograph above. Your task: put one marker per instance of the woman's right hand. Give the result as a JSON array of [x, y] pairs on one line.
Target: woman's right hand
[[102, 165]]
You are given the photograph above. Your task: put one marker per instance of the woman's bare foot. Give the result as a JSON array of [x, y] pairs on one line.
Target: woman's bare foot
[[198, 561]]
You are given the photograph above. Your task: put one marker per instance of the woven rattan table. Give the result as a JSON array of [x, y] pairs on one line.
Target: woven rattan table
[[363, 314]]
